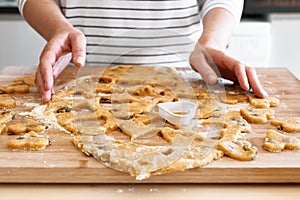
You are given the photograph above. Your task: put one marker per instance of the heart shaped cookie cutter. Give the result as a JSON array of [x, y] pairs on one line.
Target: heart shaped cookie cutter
[[178, 112]]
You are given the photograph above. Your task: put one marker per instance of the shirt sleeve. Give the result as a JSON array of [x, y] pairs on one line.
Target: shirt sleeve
[[235, 7], [21, 4]]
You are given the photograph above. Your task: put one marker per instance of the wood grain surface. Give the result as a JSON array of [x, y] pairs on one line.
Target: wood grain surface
[[62, 163]]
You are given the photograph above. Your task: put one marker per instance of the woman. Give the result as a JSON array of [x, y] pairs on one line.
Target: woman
[[117, 31]]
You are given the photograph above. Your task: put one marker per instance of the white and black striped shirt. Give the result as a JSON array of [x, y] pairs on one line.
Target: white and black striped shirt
[[143, 32]]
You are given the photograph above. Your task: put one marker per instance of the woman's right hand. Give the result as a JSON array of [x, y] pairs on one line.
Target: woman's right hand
[[72, 41]]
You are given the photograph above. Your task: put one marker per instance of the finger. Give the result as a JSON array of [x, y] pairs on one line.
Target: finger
[[78, 44], [199, 63], [255, 83], [47, 61], [46, 96], [232, 69], [240, 72]]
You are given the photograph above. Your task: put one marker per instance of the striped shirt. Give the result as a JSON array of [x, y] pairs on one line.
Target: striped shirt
[[143, 32]]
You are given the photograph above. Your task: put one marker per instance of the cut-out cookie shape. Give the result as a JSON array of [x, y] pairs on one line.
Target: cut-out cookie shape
[[208, 108], [230, 98], [230, 134], [257, 116], [65, 119], [276, 142], [202, 93], [6, 116], [7, 101], [25, 127], [16, 87], [239, 150], [26, 80], [29, 141], [232, 119], [287, 124], [3, 128], [263, 102]]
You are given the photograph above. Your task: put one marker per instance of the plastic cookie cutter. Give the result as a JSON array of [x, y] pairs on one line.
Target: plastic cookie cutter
[[178, 112]]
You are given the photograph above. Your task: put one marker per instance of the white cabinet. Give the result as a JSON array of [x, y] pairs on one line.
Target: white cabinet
[[274, 42], [286, 42], [251, 43], [20, 45]]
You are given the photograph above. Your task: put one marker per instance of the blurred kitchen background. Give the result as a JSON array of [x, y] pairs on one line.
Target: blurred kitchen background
[[268, 36]]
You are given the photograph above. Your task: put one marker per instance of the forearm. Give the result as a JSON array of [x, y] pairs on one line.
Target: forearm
[[45, 17], [218, 26]]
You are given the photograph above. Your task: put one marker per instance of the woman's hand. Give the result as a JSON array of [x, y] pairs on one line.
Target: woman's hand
[[218, 26], [227, 67], [72, 41], [46, 17]]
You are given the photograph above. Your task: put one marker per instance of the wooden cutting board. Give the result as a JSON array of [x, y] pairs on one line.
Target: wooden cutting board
[[62, 163]]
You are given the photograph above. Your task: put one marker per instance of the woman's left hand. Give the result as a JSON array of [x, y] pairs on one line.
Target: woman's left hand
[[228, 67]]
